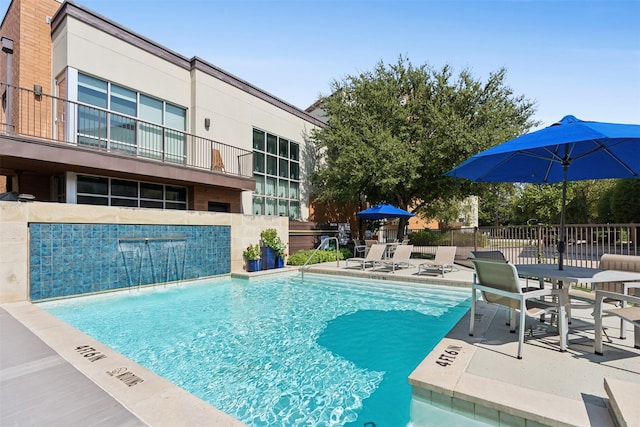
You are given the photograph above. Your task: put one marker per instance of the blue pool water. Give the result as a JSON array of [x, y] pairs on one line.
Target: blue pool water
[[279, 351]]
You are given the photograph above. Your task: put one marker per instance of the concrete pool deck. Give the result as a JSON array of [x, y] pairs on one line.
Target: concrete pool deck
[[52, 374]]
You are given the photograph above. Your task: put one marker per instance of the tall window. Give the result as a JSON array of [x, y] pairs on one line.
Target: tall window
[[97, 190], [276, 169], [116, 118]]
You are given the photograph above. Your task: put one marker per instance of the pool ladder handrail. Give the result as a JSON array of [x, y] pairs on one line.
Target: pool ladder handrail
[[324, 243]]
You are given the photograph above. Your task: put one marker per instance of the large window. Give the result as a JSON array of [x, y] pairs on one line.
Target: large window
[[97, 190], [276, 169], [119, 119]]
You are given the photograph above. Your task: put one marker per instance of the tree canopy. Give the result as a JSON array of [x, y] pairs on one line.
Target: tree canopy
[[394, 131]]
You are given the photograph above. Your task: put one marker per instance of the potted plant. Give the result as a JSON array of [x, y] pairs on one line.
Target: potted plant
[[270, 243], [252, 254], [280, 249]]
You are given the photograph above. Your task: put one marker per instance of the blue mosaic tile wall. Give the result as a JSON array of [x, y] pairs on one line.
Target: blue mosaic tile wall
[[72, 259]]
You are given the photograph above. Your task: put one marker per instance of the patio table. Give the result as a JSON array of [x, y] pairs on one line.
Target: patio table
[[575, 275]]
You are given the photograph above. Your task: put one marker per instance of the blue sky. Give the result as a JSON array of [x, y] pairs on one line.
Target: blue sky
[[571, 57]]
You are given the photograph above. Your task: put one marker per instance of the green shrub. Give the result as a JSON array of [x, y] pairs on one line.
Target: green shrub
[[300, 257], [428, 238]]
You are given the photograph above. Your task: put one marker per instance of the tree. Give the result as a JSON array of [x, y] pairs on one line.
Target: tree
[[625, 200], [542, 202], [393, 132], [494, 207]]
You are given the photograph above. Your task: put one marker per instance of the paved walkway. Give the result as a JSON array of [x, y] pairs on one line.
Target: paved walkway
[[40, 388]]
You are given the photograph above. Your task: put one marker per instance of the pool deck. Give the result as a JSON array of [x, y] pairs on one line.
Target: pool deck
[[52, 374]]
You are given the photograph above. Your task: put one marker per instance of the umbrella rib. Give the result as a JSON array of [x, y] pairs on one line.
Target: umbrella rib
[[600, 146]]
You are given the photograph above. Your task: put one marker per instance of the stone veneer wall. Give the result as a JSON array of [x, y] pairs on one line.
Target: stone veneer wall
[[81, 241]]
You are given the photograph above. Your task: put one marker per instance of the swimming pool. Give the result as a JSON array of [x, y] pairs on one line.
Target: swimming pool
[[279, 350]]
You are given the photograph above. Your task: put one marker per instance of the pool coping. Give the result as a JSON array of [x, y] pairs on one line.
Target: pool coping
[[442, 379]]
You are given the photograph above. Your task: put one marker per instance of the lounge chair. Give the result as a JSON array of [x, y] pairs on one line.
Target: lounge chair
[[401, 258], [499, 283], [625, 313], [373, 257], [497, 255], [443, 261], [359, 250]]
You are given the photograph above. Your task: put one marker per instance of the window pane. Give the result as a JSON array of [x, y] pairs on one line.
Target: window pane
[[284, 148], [295, 171], [283, 208], [92, 126], [258, 162], [90, 200], [270, 207], [92, 91], [258, 205], [295, 151], [124, 188], [284, 168], [93, 185], [151, 191], [122, 130], [150, 109], [294, 210], [175, 146], [131, 203], [272, 165], [272, 144], [176, 117], [293, 190], [177, 206], [258, 140], [283, 188], [259, 184], [271, 187], [123, 100], [176, 193], [151, 204]]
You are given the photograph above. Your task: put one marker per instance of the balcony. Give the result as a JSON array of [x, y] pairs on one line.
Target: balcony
[[50, 120]]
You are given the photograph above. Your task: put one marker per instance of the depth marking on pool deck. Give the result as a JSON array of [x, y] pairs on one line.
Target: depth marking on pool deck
[[90, 353], [448, 356], [123, 374]]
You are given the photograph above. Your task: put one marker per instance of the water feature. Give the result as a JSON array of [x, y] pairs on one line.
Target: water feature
[[153, 259]]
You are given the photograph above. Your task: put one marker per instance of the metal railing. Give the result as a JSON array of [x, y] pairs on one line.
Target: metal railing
[[530, 244], [56, 120], [322, 245]]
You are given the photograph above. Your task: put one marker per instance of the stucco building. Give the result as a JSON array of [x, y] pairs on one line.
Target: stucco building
[[93, 113]]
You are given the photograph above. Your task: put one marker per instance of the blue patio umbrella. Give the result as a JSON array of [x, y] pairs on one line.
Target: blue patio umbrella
[[570, 150], [382, 211]]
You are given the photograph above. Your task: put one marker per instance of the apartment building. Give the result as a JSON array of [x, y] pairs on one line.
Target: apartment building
[[93, 113]]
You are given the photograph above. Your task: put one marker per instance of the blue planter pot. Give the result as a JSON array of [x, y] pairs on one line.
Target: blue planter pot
[[279, 262], [254, 265], [268, 258]]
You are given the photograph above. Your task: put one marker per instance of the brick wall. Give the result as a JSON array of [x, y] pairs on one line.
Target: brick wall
[[26, 23], [203, 195]]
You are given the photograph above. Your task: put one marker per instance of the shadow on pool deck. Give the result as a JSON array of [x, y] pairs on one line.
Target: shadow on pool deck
[[44, 380]]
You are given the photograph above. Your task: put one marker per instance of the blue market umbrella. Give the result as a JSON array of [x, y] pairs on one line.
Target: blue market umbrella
[[570, 150], [382, 211]]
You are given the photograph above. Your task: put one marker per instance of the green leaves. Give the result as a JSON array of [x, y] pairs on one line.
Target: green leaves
[[394, 131]]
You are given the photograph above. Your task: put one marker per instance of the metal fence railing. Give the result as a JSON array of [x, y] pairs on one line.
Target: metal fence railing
[[529, 244], [55, 120]]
